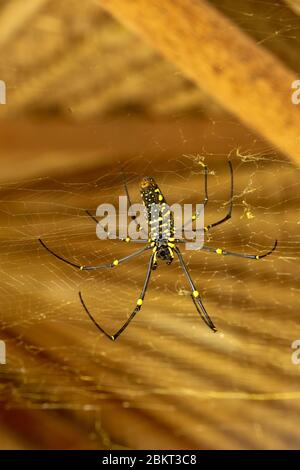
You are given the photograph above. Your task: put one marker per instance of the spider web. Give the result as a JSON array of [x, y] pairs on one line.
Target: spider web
[[42, 319], [168, 367]]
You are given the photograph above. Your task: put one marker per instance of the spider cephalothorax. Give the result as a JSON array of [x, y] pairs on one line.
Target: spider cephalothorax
[[163, 245]]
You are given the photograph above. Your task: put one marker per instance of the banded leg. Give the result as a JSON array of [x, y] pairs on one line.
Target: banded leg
[[127, 239], [133, 217], [229, 213], [205, 200], [115, 263], [133, 314], [92, 216], [195, 294], [219, 251]]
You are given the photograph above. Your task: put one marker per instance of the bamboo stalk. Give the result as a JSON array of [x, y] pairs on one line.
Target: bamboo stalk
[[245, 78], [42, 145], [15, 15]]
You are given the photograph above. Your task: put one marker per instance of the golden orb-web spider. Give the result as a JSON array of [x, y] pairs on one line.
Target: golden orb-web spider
[[163, 244]]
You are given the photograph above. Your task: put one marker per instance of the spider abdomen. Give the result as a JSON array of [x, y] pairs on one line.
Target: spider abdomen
[[159, 217]]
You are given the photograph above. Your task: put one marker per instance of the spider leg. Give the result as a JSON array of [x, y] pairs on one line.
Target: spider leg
[[219, 251], [229, 213], [115, 263], [130, 240], [92, 216], [133, 314], [127, 239], [133, 217], [195, 294], [205, 200]]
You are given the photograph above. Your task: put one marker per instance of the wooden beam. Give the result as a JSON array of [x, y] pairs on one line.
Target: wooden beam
[[244, 77], [52, 148], [15, 15]]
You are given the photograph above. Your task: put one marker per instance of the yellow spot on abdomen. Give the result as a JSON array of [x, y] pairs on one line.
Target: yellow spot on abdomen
[[219, 251], [116, 262]]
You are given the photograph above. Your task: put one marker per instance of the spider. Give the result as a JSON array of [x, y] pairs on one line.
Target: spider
[[163, 246]]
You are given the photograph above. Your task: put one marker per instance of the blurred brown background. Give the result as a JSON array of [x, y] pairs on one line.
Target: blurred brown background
[[85, 93]]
